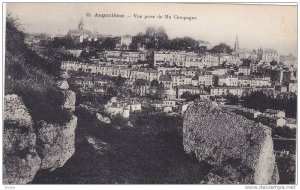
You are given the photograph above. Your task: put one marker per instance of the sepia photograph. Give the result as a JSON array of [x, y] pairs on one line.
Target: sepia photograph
[[149, 93]]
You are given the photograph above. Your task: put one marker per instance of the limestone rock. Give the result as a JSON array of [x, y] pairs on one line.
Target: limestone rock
[[55, 143], [15, 111], [20, 159], [63, 85], [129, 124], [240, 150], [70, 100], [102, 118]]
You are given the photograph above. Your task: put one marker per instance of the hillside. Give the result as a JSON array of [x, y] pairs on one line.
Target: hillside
[[39, 125], [27, 75]]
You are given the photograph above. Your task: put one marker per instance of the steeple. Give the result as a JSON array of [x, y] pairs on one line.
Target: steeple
[[80, 25], [236, 45]]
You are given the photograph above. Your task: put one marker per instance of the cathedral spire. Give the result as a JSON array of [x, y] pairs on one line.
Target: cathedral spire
[[236, 45], [80, 25]]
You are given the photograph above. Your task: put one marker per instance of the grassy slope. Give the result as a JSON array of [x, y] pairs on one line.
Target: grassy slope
[[26, 76]]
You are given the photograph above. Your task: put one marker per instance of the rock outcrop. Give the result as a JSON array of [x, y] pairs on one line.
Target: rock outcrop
[[103, 118], [56, 143], [30, 146], [69, 100], [20, 159], [240, 150], [15, 111]]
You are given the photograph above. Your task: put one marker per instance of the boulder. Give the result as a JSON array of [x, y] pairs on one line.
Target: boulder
[[56, 143], [20, 159], [240, 150], [15, 111], [129, 124], [102, 118], [70, 100], [63, 85]]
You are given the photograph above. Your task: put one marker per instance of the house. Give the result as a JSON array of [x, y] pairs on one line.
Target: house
[[195, 80], [190, 89], [281, 88], [204, 95], [223, 91], [271, 121], [166, 81], [293, 87], [244, 70], [276, 113], [122, 106], [228, 80], [205, 79]]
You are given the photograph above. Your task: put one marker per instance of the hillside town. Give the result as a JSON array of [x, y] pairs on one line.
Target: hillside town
[[103, 99], [173, 78]]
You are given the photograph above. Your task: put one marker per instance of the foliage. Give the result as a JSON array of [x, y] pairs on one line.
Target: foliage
[[284, 132], [287, 169], [232, 99], [273, 63], [25, 75], [119, 81], [189, 97], [185, 43], [260, 101], [221, 48]]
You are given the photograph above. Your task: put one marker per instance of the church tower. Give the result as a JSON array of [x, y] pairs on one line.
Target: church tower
[[236, 45], [80, 25]]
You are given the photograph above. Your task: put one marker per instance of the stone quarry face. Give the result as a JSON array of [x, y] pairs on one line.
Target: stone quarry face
[[240, 150]]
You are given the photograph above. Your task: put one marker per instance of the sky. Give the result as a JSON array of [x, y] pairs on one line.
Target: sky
[[257, 26]]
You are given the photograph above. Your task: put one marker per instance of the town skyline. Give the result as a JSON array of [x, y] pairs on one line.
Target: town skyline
[[252, 33]]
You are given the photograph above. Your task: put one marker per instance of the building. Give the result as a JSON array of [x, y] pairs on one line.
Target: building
[[205, 79], [191, 89], [223, 91], [80, 34], [124, 42], [122, 107], [165, 80], [281, 88], [228, 80], [293, 87], [271, 121], [236, 48], [275, 113], [268, 55], [244, 70]]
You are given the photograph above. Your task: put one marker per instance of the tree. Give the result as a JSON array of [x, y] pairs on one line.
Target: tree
[[221, 48], [120, 81], [273, 63], [154, 83], [202, 49], [189, 97], [109, 43], [185, 43], [232, 99]]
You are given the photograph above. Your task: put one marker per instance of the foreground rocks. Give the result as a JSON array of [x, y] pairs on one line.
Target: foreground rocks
[[56, 143], [239, 150], [15, 112], [103, 119], [20, 159], [29, 147]]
